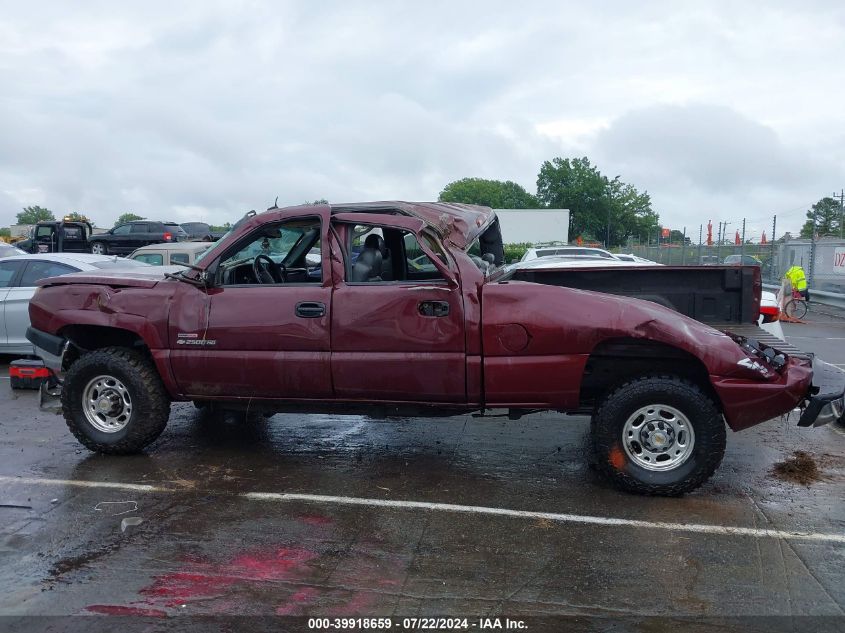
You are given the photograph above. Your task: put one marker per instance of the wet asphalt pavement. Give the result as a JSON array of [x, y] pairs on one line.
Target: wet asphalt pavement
[[204, 546]]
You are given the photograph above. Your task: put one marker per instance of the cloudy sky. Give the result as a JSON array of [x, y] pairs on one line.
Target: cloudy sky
[[203, 110]]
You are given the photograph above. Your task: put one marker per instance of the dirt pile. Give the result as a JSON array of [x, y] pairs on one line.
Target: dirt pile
[[801, 468]]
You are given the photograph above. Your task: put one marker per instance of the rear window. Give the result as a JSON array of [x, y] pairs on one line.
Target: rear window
[[174, 228], [39, 270], [153, 259]]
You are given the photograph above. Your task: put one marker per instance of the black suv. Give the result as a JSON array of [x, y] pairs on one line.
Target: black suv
[[201, 231], [125, 238]]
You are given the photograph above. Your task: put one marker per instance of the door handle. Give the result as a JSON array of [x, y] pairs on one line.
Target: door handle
[[434, 308], [310, 309]]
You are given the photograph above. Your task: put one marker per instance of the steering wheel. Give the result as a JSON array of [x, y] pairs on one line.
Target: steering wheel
[[265, 270]]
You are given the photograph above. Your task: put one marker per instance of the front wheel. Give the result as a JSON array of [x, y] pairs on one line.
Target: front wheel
[[114, 402], [658, 435], [98, 248]]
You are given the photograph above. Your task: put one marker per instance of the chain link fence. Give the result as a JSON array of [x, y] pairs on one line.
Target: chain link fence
[[823, 260]]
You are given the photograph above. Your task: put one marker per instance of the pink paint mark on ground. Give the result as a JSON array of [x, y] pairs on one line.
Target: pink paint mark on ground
[[273, 567], [205, 580], [110, 609], [297, 601]]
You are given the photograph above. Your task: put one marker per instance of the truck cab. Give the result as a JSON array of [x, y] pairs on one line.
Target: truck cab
[[62, 236]]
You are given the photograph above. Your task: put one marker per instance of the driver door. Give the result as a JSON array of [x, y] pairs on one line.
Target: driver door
[[249, 337]]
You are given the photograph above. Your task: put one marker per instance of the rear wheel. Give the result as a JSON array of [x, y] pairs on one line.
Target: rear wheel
[[796, 308], [114, 402], [658, 435], [98, 248]]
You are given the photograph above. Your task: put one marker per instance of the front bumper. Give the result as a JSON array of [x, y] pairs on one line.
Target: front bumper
[[826, 399], [49, 348]]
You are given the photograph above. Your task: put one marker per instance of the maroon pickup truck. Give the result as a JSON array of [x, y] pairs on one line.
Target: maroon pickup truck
[[406, 308]]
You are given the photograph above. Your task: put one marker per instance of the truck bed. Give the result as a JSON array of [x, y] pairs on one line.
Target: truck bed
[[711, 294], [724, 297]]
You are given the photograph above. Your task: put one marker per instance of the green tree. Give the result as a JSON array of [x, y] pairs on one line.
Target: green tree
[[5, 232], [676, 237], [316, 202], [594, 201], [34, 215], [76, 216], [127, 217], [222, 228], [496, 194], [827, 216]]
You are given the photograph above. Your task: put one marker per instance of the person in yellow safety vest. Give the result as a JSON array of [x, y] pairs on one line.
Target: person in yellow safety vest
[[798, 280]]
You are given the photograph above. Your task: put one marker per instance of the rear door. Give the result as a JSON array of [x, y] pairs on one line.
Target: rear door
[[398, 335], [9, 271], [139, 235], [16, 303]]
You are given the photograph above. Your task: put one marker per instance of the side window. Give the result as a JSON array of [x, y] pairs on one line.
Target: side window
[[179, 257], [73, 233], [417, 263], [123, 229], [381, 253], [43, 231], [36, 271], [283, 253], [154, 259], [7, 273], [139, 228]]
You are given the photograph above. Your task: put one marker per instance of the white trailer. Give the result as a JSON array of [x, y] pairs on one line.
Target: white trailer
[[534, 226]]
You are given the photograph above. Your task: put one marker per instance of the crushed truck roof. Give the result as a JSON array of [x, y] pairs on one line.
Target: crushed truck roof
[[460, 224]]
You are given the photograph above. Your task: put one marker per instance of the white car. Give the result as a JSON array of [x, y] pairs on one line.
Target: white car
[[18, 276], [769, 306], [551, 251], [7, 250], [577, 261], [630, 257]]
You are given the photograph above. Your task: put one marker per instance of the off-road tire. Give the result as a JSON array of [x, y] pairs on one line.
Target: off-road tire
[[703, 414], [151, 404]]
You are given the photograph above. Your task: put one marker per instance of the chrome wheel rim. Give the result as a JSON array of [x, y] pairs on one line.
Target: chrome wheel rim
[[107, 404], [97, 249], [658, 437]]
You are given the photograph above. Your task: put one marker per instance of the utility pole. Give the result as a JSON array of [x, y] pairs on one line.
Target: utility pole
[[841, 211], [812, 250], [724, 237], [772, 265], [700, 236]]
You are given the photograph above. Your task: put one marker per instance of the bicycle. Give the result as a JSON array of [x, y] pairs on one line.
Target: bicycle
[[796, 308]]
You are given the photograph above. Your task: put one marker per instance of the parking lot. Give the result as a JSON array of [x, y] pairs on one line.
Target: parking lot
[[330, 516]]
